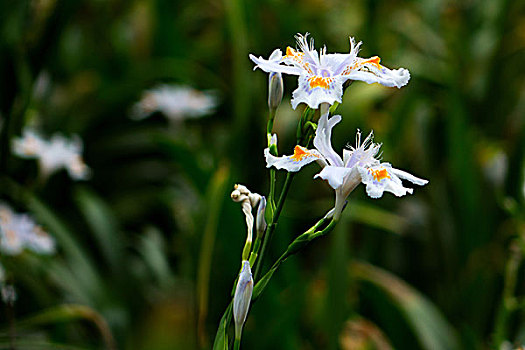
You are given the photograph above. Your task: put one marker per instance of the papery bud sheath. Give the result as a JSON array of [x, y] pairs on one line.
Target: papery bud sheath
[[242, 297]]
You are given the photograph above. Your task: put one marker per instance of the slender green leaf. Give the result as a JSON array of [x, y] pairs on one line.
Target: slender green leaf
[[78, 260], [428, 324], [103, 225], [221, 339], [67, 313]]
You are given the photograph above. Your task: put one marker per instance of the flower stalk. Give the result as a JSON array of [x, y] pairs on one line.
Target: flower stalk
[[322, 79]]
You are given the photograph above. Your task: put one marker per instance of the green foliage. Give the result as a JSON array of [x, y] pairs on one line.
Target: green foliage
[[150, 245]]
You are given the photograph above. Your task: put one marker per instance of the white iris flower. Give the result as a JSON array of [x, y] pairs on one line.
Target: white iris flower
[[322, 75], [359, 165]]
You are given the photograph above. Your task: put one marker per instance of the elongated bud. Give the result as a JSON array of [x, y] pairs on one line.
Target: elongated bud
[[242, 297], [260, 222], [275, 83], [275, 90]]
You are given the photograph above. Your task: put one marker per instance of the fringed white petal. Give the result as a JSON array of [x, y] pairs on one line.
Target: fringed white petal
[[270, 66], [384, 76], [334, 175], [409, 177], [293, 163], [276, 56], [323, 136], [327, 90], [346, 156], [381, 178]]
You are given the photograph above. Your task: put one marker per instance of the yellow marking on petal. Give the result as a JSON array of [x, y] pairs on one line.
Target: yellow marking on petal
[[297, 56], [380, 174], [306, 66], [299, 153], [350, 68], [322, 82], [373, 61], [293, 54]]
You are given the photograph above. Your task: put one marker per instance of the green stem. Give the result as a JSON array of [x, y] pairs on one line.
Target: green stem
[[271, 195], [298, 244], [508, 301], [271, 228], [237, 344], [304, 139], [269, 125]]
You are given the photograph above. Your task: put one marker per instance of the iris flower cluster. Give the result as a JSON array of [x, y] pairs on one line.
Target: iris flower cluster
[[322, 80]]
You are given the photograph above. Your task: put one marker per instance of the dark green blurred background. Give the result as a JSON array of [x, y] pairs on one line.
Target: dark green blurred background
[[151, 244]]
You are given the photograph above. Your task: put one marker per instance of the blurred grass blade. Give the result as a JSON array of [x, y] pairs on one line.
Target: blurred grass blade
[[361, 211], [103, 225], [67, 279], [375, 216], [27, 344], [152, 248], [427, 323], [78, 260], [70, 312], [360, 333], [216, 193]]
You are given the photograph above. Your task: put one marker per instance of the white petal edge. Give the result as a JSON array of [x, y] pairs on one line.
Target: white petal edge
[[289, 164], [334, 175], [323, 136], [272, 66], [409, 177]]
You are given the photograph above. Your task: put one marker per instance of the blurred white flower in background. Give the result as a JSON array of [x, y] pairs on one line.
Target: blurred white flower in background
[[177, 102], [52, 155], [19, 232]]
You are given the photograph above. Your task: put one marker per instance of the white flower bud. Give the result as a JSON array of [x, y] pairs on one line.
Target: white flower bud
[[237, 196], [242, 189], [275, 90], [260, 222], [275, 83], [242, 297], [254, 199]]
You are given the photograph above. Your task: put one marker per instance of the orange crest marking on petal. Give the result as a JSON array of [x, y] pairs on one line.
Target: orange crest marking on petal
[[293, 54], [297, 56], [373, 61], [299, 153], [380, 174], [322, 82]]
